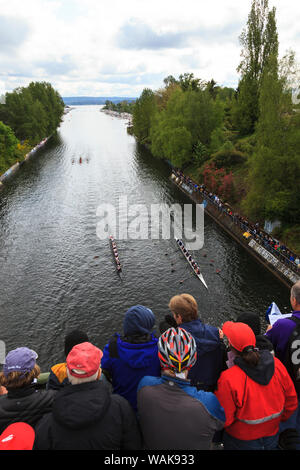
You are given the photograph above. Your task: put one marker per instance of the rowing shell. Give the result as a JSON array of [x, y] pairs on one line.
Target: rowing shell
[[199, 275], [115, 253]]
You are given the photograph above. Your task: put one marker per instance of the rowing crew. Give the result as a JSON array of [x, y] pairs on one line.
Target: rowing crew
[[116, 255], [189, 257]]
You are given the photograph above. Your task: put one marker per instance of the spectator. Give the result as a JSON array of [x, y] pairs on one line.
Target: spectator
[[172, 413], [58, 374], [252, 320], [22, 401], [128, 358], [85, 415], [211, 351], [256, 393], [17, 436], [280, 335]]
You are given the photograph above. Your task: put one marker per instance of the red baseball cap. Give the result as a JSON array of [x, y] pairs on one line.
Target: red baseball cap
[[17, 436], [239, 335], [84, 360]]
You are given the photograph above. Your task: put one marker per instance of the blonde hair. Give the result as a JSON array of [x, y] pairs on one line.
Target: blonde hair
[[184, 305], [19, 379]]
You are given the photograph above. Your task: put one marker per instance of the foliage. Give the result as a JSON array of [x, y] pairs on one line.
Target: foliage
[[218, 181], [275, 164], [228, 156], [143, 112], [33, 112], [8, 147], [259, 41], [120, 107], [200, 153]]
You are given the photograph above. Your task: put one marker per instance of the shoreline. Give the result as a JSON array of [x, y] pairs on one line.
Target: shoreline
[[14, 168], [121, 115], [261, 254]]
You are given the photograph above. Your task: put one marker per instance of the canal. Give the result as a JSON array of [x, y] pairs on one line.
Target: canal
[[56, 274]]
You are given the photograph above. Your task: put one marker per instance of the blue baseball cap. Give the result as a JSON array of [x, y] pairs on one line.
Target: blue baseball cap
[[20, 360]]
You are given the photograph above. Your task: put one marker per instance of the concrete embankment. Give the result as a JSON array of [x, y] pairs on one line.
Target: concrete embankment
[[284, 273]]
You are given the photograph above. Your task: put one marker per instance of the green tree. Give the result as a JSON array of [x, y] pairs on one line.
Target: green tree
[[143, 111], [8, 147], [33, 112], [259, 41], [275, 164]]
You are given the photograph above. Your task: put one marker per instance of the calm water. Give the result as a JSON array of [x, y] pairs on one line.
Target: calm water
[[56, 274]]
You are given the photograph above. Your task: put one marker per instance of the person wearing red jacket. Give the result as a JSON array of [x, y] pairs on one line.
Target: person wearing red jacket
[[256, 393]]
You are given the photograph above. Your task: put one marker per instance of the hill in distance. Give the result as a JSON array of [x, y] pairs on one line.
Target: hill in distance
[[82, 100]]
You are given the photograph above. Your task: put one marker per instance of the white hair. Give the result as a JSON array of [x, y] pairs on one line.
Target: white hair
[[77, 380]]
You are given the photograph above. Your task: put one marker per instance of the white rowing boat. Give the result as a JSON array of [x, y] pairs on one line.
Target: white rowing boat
[[187, 255], [115, 254]]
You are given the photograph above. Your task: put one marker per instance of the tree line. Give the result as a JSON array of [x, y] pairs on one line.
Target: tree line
[[27, 115], [123, 106], [248, 137]]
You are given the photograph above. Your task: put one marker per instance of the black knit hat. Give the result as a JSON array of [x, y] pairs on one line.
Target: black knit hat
[[73, 338], [252, 320]]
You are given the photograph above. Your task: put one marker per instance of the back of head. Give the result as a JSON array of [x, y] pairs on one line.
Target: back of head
[[20, 368], [73, 338], [177, 350], [139, 320], [242, 339], [83, 363], [295, 294], [184, 305]]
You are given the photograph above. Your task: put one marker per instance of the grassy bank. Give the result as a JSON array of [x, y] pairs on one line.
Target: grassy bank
[[288, 235]]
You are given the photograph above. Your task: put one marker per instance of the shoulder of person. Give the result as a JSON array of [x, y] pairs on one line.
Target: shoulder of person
[[149, 381], [208, 400]]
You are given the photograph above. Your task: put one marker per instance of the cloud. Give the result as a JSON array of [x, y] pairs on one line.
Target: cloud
[[61, 66], [136, 34], [13, 32]]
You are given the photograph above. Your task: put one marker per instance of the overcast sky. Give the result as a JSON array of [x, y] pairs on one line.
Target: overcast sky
[[120, 47]]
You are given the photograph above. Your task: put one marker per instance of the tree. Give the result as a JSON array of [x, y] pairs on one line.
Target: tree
[[143, 111], [275, 164], [33, 112], [187, 81], [259, 41], [8, 147]]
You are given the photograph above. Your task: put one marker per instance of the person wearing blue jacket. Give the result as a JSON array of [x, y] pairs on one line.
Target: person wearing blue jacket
[[129, 357], [211, 351]]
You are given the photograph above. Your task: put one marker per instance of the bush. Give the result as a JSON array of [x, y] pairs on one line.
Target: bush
[[228, 156]]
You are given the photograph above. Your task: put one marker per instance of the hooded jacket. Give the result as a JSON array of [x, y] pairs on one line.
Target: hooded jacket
[[25, 404], [211, 354], [128, 362], [175, 415], [88, 417], [256, 399]]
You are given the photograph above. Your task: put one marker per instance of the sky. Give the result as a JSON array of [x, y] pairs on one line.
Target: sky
[[118, 48]]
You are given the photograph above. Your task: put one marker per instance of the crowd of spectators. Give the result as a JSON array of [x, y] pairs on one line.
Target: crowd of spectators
[[274, 246], [185, 386]]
